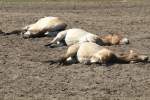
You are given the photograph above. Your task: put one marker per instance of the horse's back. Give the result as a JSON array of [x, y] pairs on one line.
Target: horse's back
[[49, 22], [74, 35]]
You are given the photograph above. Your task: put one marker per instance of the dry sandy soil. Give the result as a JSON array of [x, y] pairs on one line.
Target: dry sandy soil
[[23, 76]]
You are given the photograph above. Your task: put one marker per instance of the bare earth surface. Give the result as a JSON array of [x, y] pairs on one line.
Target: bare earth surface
[[23, 76]]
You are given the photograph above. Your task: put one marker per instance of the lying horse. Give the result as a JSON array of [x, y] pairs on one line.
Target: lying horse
[[47, 25], [88, 53], [75, 35]]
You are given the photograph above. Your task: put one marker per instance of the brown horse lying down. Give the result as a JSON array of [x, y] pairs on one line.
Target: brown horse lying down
[[47, 25], [75, 35], [89, 53]]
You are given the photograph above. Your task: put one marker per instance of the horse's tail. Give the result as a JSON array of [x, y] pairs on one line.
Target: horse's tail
[[60, 61], [17, 32]]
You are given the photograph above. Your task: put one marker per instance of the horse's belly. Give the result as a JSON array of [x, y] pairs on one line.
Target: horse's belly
[[71, 41], [86, 51], [74, 36]]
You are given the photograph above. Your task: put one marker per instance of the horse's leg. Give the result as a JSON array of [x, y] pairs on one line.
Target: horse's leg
[[60, 36], [71, 53]]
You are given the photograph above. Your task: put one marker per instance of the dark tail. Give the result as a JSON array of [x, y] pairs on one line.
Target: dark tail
[[17, 32], [51, 62], [50, 45], [60, 61]]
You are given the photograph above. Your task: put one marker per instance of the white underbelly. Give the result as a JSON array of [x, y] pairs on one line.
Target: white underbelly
[[74, 36], [86, 51]]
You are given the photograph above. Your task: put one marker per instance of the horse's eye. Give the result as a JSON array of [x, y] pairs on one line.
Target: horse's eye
[[135, 56]]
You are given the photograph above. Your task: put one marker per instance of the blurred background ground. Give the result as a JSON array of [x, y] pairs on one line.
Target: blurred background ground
[[24, 77]]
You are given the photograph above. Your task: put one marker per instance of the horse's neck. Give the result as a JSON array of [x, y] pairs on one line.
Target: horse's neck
[[123, 59], [106, 40]]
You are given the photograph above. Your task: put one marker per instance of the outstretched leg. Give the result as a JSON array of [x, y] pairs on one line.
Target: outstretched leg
[[71, 53], [60, 36]]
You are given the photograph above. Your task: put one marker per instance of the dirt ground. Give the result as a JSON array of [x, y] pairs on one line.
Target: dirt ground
[[23, 76]]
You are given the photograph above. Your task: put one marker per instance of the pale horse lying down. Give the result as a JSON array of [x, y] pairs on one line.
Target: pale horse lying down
[[47, 25], [76, 35], [88, 53]]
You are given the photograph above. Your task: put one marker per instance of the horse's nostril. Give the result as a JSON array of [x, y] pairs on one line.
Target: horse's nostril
[[127, 42], [144, 58]]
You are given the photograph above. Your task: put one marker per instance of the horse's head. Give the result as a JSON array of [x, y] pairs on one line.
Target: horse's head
[[133, 57], [118, 39], [115, 39]]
